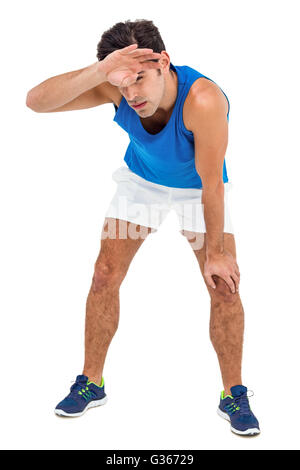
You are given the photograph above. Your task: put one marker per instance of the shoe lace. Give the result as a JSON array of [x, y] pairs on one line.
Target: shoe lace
[[82, 389], [242, 402], [76, 388]]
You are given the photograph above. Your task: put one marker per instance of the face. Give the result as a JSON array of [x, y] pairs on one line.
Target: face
[[149, 87]]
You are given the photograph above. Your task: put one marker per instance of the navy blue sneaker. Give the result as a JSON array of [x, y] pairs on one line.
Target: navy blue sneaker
[[235, 408], [83, 395]]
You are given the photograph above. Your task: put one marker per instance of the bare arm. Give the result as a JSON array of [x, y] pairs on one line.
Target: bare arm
[[80, 89], [209, 125], [92, 85]]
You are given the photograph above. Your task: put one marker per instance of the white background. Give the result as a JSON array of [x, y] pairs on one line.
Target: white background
[[162, 376]]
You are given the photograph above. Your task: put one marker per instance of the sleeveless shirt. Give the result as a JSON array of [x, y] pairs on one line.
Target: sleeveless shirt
[[168, 157]]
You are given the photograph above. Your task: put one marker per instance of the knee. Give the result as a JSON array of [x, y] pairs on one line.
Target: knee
[[222, 292], [105, 276]]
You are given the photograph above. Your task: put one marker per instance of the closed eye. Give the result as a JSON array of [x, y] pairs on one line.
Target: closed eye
[[139, 78]]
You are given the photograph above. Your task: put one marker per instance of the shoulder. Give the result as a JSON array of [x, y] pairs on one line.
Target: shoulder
[[109, 92], [204, 100], [114, 94]]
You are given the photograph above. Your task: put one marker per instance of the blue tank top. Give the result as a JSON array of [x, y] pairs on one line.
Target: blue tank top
[[168, 157]]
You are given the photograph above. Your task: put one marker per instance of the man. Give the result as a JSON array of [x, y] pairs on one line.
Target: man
[[177, 120]]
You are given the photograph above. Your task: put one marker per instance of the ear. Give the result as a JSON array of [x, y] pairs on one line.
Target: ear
[[164, 61]]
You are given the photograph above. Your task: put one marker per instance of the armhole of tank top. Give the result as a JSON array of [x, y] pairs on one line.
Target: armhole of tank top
[[227, 102], [190, 133], [221, 91], [182, 125], [184, 129], [224, 95], [117, 108]]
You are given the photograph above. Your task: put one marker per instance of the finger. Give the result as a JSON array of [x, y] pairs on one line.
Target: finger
[[236, 281], [138, 52], [230, 284], [154, 55], [210, 281], [127, 81], [141, 50], [150, 65], [129, 48], [236, 269]]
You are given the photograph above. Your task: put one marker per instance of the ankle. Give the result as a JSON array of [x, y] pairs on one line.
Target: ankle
[[96, 380], [227, 388], [93, 378]]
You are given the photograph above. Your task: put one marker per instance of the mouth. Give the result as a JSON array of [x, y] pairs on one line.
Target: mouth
[[140, 105]]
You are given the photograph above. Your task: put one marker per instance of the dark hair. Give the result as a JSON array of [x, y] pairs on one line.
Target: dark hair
[[142, 32]]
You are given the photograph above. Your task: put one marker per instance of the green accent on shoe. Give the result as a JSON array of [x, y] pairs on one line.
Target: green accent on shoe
[[100, 386], [223, 396], [87, 395]]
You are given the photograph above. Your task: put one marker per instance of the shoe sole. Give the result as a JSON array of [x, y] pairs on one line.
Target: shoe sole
[[92, 404], [248, 432]]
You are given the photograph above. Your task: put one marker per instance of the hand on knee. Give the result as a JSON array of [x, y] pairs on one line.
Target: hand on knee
[[222, 292]]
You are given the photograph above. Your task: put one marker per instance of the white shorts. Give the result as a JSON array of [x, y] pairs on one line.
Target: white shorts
[[145, 203]]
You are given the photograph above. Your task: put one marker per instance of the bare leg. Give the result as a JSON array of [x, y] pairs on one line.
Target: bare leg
[[102, 307], [227, 316]]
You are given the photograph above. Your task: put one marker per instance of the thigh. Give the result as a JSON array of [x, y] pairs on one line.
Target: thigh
[[197, 242], [120, 240]]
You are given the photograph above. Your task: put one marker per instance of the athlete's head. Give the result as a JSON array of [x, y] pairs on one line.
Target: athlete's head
[[150, 86]]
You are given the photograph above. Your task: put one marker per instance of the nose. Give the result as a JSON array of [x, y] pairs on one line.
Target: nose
[[130, 94]]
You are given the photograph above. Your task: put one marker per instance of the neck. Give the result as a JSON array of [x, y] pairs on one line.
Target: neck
[[168, 101]]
